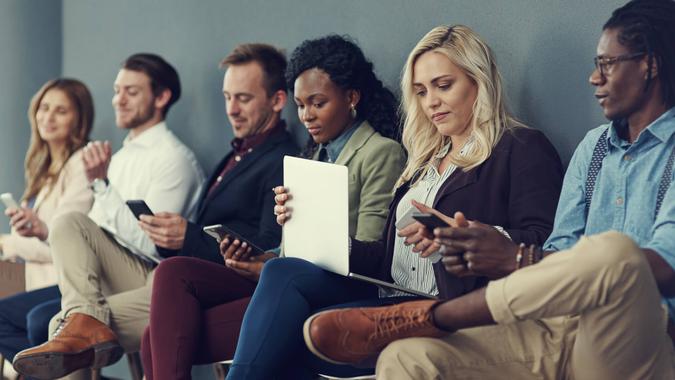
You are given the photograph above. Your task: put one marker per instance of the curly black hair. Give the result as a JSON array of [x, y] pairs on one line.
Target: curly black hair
[[345, 64], [649, 26]]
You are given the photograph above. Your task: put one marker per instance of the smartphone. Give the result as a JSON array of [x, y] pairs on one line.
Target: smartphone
[[219, 232], [8, 200], [406, 219], [430, 221], [138, 208]]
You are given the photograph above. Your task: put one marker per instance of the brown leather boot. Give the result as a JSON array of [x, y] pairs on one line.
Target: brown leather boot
[[357, 335], [81, 342]]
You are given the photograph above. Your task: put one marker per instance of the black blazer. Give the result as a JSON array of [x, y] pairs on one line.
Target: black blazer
[[243, 200], [516, 188]]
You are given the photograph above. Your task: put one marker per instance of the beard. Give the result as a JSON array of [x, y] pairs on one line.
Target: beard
[[138, 119]]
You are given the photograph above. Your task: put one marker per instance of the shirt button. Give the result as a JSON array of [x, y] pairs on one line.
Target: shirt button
[[413, 268], [237, 158], [619, 201]]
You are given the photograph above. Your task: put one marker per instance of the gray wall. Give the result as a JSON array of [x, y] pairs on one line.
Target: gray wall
[[544, 48], [30, 46]]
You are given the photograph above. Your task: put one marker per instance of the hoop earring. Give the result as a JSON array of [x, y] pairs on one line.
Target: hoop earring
[[352, 111]]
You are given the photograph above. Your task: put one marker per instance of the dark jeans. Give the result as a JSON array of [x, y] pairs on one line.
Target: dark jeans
[[195, 315], [290, 290], [24, 319]]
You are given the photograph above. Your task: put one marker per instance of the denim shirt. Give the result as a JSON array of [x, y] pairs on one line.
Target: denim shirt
[[625, 192]]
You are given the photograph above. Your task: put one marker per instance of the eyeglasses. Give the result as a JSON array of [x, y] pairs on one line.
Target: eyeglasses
[[603, 64]]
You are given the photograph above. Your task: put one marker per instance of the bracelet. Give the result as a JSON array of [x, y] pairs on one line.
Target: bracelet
[[530, 255], [519, 255], [535, 254]]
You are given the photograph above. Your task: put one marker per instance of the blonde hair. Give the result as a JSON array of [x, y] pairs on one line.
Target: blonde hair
[[490, 116], [39, 172]]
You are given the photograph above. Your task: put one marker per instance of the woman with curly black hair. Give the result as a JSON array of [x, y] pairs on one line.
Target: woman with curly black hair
[[350, 116]]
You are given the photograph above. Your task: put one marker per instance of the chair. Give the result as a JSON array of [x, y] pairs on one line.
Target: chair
[[220, 370], [135, 367]]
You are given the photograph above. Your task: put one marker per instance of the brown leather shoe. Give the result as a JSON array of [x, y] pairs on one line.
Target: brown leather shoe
[[356, 335], [81, 342]]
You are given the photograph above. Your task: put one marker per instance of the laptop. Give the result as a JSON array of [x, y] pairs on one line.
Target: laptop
[[318, 230]]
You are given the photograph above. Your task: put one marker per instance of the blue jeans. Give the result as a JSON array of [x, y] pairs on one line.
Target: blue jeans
[[289, 291], [24, 319]]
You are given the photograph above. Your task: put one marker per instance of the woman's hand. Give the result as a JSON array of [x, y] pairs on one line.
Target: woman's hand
[[251, 268], [283, 212], [26, 223], [234, 249], [476, 250], [420, 236]]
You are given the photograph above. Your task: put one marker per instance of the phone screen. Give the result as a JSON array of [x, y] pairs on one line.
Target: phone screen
[[138, 208], [430, 221]]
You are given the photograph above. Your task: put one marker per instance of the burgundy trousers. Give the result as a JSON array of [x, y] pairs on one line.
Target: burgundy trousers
[[195, 316]]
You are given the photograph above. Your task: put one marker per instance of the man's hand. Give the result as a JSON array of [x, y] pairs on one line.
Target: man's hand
[[165, 229], [96, 157], [476, 250], [233, 248], [252, 268], [26, 223]]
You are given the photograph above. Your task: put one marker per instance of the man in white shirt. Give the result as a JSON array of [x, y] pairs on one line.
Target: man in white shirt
[[104, 260]]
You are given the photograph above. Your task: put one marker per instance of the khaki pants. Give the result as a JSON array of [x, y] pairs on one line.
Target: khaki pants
[[99, 277], [591, 312]]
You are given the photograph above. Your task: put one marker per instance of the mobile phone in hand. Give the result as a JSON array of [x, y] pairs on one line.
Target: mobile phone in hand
[[430, 221], [138, 208], [407, 219], [219, 232], [8, 200]]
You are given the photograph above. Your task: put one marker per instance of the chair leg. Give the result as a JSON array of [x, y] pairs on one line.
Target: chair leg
[[219, 371], [135, 366]]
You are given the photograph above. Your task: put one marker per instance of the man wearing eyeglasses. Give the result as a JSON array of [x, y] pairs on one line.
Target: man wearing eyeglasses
[[587, 305]]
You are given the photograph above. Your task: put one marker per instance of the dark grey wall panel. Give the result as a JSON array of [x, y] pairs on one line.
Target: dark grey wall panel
[[545, 50], [30, 54]]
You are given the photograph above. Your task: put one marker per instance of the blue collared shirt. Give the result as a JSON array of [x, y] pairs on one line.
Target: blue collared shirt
[[625, 192], [334, 147]]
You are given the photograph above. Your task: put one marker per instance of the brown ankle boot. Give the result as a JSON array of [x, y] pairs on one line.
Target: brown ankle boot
[[81, 342], [353, 336]]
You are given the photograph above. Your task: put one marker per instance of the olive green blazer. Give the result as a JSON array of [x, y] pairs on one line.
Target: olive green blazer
[[375, 163]]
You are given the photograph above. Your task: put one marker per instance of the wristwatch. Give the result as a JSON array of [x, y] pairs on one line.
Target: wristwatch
[[99, 186]]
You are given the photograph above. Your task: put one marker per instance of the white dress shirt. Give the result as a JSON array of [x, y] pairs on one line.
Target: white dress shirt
[[156, 167]]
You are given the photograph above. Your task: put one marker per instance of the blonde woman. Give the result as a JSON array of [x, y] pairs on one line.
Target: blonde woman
[[61, 115], [466, 152]]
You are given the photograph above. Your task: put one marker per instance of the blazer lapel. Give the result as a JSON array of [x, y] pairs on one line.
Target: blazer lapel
[[247, 161], [458, 180], [204, 196], [355, 143]]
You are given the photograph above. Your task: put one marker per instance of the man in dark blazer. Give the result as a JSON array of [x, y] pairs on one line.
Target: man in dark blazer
[[238, 193]]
